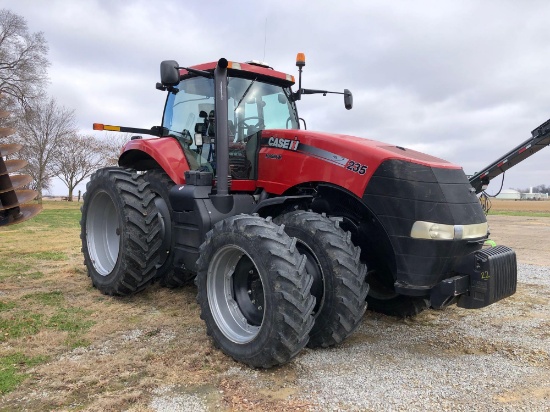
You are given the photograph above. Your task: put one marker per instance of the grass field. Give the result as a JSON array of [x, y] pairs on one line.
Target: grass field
[[65, 346], [71, 347], [35, 258]]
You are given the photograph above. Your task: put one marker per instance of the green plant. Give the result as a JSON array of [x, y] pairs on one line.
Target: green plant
[[5, 306], [519, 213], [54, 298], [71, 320], [10, 377], [20, 324]]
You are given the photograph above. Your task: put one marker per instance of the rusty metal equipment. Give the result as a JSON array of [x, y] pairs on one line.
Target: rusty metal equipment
[[13, 195]]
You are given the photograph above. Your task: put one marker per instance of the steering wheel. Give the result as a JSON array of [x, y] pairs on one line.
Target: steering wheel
[[250, 128], [186, 136], [259, 124]]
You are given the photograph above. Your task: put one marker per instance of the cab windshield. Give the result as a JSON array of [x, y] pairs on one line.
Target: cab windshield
[[252, 106]]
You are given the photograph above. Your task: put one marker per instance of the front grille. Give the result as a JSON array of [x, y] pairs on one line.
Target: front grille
[[401, 193]]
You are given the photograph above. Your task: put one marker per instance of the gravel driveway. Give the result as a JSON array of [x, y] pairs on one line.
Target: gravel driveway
[[493, 359], [496, 358]]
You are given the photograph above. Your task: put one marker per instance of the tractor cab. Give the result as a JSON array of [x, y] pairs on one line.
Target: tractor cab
[[258, 98]]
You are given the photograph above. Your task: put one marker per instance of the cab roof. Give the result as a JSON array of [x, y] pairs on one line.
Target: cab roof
[[246, 70]]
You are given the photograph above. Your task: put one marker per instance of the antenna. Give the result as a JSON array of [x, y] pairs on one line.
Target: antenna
[[265, 37]]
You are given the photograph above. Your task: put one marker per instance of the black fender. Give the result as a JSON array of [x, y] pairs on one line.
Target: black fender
[[273, 206]]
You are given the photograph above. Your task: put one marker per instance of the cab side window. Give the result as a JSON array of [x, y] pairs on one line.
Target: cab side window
[[190, 100]]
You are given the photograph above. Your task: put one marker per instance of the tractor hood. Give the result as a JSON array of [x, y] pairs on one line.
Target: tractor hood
[[401, 188], [344, 160]]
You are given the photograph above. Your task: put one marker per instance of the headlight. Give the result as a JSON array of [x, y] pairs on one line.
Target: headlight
[[438, 231]]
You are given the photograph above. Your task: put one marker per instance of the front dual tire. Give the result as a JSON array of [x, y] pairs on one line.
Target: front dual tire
[[254, 291], [264, 295], [340, 286]]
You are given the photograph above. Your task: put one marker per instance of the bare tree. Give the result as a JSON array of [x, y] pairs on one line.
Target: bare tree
[[78, 157], [23, 75], [42, 129], [23, 61], [113, 142], [536, 189]]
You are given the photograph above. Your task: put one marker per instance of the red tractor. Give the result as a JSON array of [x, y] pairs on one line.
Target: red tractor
[[288, 233]]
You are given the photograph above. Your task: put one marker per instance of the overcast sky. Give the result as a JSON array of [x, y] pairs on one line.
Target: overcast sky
[[463, 80]]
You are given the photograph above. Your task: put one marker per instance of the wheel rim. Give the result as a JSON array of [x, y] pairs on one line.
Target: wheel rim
[[235, 294], [313, 267], [103, 233]]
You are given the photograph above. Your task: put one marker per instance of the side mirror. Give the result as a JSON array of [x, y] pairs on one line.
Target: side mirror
[[169, 73], [282, 98], [348, 99]]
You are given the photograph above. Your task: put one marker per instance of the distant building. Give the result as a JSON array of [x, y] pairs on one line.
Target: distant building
[[509, 194], [534, 196]]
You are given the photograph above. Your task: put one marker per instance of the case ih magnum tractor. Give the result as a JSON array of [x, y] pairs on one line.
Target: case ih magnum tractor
[[288, 233]]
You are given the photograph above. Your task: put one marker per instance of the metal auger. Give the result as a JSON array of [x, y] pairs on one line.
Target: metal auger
[[12, 197]]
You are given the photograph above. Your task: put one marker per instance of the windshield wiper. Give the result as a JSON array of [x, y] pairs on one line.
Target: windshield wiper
[[244, 94]]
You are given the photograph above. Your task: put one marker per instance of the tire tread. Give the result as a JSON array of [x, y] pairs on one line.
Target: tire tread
[[289, 282], [333, 324], [139, 241]]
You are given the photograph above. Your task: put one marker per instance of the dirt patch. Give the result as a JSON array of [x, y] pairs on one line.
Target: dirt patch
[[535, 206], [528, 236]]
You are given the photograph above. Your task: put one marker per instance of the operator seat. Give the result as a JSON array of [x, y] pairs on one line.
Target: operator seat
[[211, 124]]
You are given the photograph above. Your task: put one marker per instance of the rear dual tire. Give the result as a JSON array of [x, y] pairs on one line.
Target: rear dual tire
[[168, 276], [120, 231]]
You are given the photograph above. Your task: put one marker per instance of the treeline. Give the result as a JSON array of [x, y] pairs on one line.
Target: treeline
[[536, 189], [52, 144]]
